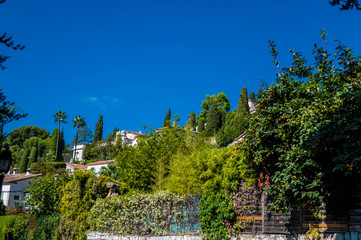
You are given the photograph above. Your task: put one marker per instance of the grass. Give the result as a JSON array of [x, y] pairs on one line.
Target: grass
[[3, 221]]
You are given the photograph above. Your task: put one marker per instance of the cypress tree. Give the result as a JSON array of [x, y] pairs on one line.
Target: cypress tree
[[24, 161], [54, 139], [33, 156], [213, 120], [260, 92], [61, 148], [243, 107], [98, 134], [252, 96], [192, 120], [166, 122], [201, 122]]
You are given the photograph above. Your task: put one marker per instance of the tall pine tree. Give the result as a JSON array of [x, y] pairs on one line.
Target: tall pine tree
[[214, 119], [24, 161], [33, 156], [243, 107], [98, 133], [192, 121], [252, 96], [166, 122]]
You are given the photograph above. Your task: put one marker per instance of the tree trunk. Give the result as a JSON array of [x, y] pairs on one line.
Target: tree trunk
[[57, 144]]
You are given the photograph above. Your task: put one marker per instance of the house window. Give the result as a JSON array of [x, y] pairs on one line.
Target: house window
[[16, 197]]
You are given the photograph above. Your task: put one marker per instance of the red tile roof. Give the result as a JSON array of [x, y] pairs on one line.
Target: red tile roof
[[13, 178], [101, 162], [77, 166]]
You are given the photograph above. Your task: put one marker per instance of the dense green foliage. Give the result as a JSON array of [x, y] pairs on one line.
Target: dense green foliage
[[306, 133], [5, 221], [214, 120], [33, 156], [77, 198], [142, 214], [48, 167], [243, 107], [98, 133], [17, 228], [215, 215], [208, 169], [2, 208], [18, 136], [24, 161], [192, 121], [45, 193]]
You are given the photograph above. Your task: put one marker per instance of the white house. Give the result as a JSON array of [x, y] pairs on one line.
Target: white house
[[128, 137], [13, 188], [96, 167], [70, 167], [78, 155]]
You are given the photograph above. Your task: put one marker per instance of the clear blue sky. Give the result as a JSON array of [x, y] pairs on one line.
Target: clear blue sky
[[131, 60]]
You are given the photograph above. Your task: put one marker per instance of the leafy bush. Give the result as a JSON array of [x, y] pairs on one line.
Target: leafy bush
[[17, 228], [48, 167], [46, 227], [142, 214], [2, 208], [79, 195], [45, 193], [216, 216]]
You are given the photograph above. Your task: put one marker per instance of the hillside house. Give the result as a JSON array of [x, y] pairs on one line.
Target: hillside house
[[128, 137], [70, 167], [98, 166], [13, 188]]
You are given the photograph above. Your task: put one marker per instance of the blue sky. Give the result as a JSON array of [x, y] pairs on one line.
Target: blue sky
[[131, 60]]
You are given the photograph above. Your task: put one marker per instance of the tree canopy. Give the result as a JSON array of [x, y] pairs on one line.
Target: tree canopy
[[305, 139]]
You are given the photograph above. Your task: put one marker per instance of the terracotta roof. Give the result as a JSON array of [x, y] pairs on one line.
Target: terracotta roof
[[101, 162], [77, 166], [13, 178]]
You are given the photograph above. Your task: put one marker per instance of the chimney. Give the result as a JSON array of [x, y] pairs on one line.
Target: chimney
[[28, 171]]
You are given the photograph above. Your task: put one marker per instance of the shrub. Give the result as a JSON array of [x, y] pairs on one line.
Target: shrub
[[48, 167], [216, 216], [17, 228], [143, 214], [2, 208]]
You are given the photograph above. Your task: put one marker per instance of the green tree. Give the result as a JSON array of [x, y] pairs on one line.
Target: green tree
[[78, 196], [346, 4], [8, 42], [45, 193], [192, 121], [252, 96], [19, 135], [33, 156], [259, 94], [8, 113], [78, 122], [214, 120], [305, 134], [98, 133], [243, 107], [201, 124], [85, 135], [59, 117], [223, 104], [166, 122], [24, 161]]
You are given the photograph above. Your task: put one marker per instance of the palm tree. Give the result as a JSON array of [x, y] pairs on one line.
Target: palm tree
[[78, 122], [59, 117]]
